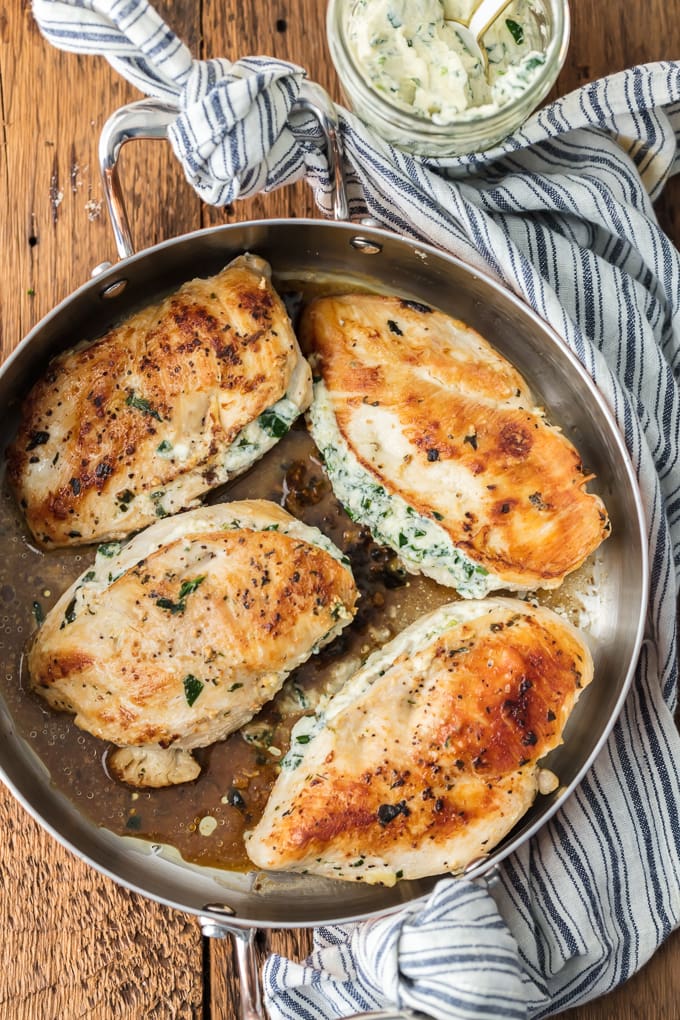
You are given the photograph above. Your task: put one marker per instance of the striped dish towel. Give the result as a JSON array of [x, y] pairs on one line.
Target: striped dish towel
[[562, 213]]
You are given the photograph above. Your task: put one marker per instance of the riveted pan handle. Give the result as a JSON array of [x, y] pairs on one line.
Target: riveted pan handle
[[243, 940], [151, 118], [215, 926]]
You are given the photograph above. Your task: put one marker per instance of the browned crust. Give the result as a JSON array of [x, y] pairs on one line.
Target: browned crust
[[532, 520], [264, 599], [225, 340], [498, 691]]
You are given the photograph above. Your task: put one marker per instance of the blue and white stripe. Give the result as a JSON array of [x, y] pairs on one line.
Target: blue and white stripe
[[562, 213]]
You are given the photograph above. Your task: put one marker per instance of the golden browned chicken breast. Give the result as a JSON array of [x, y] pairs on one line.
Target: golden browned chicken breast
[[176, 400], [429, 754], [181, 636], [432, 440]]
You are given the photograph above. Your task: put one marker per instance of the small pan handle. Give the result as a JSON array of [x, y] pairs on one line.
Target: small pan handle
[[151, 118], [243, 940]]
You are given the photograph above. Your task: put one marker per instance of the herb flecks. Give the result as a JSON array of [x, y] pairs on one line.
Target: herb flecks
[[156, 498], [172, 607], [143, 405], [388, 812], [192, 688], [186, 588], [416, 306], [70, 614]]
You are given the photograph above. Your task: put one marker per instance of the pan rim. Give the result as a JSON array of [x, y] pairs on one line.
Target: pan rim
[[377, 233]]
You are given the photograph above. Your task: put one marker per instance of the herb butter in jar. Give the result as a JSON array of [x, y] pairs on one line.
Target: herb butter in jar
[[407, 73]]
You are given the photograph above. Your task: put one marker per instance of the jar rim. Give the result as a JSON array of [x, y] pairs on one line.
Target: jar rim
[[424, 128]]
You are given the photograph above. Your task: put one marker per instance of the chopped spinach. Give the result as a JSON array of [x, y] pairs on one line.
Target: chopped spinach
[[143, 405], [192, 688], [272, 424], [515, 30], [109, 549]]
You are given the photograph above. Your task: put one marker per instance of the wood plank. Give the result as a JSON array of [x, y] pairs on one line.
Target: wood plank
[[225, 997], [73, 943]]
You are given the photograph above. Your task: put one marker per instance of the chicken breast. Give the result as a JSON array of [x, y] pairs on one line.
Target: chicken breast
[[429, 754], [176, 400], [177, 639], [432, 440]]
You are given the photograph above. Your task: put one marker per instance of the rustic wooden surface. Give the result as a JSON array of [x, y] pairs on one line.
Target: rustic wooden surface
[[73, 944]]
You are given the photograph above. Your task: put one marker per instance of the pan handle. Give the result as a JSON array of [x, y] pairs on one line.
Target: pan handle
[[151, 118], [215, 927], [243, 940]]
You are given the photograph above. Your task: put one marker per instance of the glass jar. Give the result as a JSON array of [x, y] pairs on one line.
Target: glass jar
[[473, 132]]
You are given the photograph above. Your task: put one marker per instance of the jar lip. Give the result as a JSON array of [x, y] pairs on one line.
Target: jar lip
[[555, 52]]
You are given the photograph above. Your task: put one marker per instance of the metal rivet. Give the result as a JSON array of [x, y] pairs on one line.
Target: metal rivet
[[101, 268], [220, 908], [113, 289], [365, 246], [212, 930]]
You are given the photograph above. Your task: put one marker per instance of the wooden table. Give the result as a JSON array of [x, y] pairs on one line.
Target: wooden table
[[72, 943]]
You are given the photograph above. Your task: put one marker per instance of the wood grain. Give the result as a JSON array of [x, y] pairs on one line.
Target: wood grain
[[74, 944]]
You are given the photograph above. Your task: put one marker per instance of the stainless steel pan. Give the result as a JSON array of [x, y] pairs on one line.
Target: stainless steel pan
[[238, 903]]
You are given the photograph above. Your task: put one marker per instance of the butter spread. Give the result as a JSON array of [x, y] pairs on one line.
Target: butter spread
[[410, 52]]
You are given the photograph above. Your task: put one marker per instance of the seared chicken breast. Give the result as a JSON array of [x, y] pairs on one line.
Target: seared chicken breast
[[178, 638], [176, 400], [429, 754], [433, 440]]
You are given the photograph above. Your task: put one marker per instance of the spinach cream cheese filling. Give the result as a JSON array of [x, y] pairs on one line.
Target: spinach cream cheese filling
[[423, 546], [251, 443], [410, 52]]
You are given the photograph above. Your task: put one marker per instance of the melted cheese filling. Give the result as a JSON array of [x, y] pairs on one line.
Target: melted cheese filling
[[422, 545], [409, 51]]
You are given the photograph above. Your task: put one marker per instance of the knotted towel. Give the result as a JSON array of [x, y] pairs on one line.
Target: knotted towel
[[562, 213]]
